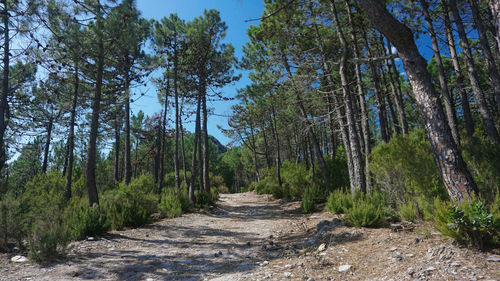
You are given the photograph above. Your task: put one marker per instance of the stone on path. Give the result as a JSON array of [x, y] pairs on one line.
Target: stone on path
[[493, 258], [19, 259], [344, 268]]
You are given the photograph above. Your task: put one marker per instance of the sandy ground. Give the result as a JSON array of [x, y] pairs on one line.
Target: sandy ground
[[253, 237]]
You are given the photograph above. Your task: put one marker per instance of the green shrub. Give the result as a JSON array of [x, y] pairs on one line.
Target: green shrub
[[339, 201], [311, 197], [468, 223], [127, 207], [10, 218], [408, 211], [364, 213], [204, 199], [174, 203], [296, 178], [405, 167], [145, 183], [48, 241], [83, 220]]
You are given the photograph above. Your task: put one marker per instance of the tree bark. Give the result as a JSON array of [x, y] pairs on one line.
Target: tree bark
[[359, 181], [94, 123], [71, 136], [277, 141], [484, 111], [485, 46], [46, 150], [469, 121], [399, 94], [181, 128], [4, 102], [206, 148], [495, 13], [196, 144], [457, 179], [176, 100], [127, 149]]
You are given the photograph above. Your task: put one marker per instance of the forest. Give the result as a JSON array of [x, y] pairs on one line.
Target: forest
[[343, 112]]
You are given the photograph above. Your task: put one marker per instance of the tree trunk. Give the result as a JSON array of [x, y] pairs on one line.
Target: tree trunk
[[127, 149], [309, 124], [71, 137], [445, 93], [4, 102], [495, 12], [457, 179], [473, 77], [206, 148], [469, 121], [176, 100], [94, 123], [182, 145], [266, 147], [277, 141], [196, 144], [485, 46], [378, 97], [359, 181], [399, 94], [116, 166], [46, 150]]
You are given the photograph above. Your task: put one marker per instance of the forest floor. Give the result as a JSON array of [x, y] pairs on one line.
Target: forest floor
[[253, 237]]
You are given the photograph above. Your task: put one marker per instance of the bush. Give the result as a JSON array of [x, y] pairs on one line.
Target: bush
[[468, 223], [127, 207], [43, 206], [408, 211], [204, 199], [145, 183], [174, 203], [405, 167], [10, 218], [364, 213], [339, 201], [48, 241], [83, 220], [311, 197]]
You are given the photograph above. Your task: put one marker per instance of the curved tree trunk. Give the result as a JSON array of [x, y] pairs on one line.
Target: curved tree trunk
[[457, 179], [71, 136]]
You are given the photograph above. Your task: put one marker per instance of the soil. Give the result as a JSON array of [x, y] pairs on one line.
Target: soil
[[253, 237]]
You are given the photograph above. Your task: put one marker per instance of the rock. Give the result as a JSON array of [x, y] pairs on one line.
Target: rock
[[220, 253], [322, 247], [393, 249], [455, 264], [268, 276], [264, 263], [288, 266], [430, 268], [344, 268], [336, 222], [287, 274], [310, 279], [90, 238], [300, 264], [493, 258], [19, 259]]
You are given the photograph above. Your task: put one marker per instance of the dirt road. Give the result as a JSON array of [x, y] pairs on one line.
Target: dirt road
[[252, 237]]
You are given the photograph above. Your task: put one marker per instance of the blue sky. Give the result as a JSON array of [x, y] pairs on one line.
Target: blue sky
[[234, 13]]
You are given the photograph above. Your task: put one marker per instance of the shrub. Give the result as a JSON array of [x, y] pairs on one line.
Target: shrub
[[127, 207], [144, 183], [204, 199], [311, 197], [405, 167], [468, 223], [83, 220], [10, 218], [339, 201], [48, 241], [174, 203], [408, 211], [364, 213]]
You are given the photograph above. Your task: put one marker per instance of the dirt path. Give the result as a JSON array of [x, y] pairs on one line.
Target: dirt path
[[252, 237]]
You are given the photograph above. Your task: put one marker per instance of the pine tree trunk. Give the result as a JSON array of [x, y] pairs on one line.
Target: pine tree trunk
[[4, 101], [127, 149], [495, 12], [176, 97], [71, 136], [94, 123], [488, 56], [116, 164], [469, 121], [457, 179], [183, 151], [399, 94], [46, 150], [278, 147], [196, 144], [162, 146], [484, 111], [445, 93], [359, 181], [206, 148]]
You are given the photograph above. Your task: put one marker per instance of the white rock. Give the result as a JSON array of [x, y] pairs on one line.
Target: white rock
[[264, 263], [90, 238], [456, 264], [393, 249], [288, 266], [322, 247], [344, 268], [19, 259], [494, 258], [287, 274]]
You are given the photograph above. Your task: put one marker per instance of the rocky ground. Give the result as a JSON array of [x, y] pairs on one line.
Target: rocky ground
[[252, 237]]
